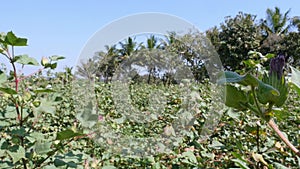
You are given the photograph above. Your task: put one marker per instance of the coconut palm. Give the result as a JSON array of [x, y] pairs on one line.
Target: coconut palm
[[128, 47], [87, 69], [276, 22]]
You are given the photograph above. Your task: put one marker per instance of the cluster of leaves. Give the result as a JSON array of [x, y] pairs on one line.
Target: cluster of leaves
[[238, 35], [238, 141], [32, 130]]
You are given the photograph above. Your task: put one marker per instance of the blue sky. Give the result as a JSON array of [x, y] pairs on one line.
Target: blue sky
[[63, 27]]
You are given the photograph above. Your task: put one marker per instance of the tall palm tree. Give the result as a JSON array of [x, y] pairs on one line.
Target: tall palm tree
[[276, 22], [108, 62], [296, 22], [275, 26], [87, 69], [128, 47], [152, 42]]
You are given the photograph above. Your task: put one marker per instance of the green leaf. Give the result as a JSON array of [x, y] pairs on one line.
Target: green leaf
[[67, 134], [3, 77], [8, 90], [216, 145], [266, 93], [16, 153], [46, 106], [235, 97], [56, 58], [295, 77], [240, 163], [58, 163], [71, 164], [270, 55], [53, 65], [50, 65], [13, 40], [19, 132], [208, 155], [190, 156], [26, 60], [42, 147], [259, 158], [34, 136], [233, 77], [272, 90], [233, 114], [43, 91], [279, 166]]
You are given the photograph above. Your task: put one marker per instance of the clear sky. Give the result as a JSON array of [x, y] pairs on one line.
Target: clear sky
[[63, 27]]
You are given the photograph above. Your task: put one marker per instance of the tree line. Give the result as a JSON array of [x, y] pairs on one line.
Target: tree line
[[235, 40]]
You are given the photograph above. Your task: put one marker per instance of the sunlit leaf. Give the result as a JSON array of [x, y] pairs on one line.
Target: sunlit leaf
[[272, 90], [295, 77], [26, 60], [190, 156], [56, 58], [266, 93], [43, 91], [279, 166], [259, 158], [42, 147], [235, 97], [8, 90], [3, 77], [13, 40], [233, 77], [240, 163], [16, 153], [67, 134], [216, 144], [46, 106]]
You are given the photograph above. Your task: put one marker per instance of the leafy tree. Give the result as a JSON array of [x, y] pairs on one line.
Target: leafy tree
[[234, 39], [290, 46]]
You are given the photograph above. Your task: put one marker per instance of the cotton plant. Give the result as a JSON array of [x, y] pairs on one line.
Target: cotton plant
[[261, 95]]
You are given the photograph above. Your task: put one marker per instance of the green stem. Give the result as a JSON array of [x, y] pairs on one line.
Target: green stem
[[250, 107], [257, 137], [51, 153], [255, 100]]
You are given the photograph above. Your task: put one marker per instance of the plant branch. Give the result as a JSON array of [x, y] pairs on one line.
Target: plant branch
[[51, 153], [257, 137], [255, 100], [16, 83], [25, 77], [273, 125]]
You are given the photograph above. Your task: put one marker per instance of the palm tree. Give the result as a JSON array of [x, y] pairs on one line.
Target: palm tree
[[296, 22], [128, 47], [152, 42], [87, 69], [276, 22], [275, 26], [108, 62]]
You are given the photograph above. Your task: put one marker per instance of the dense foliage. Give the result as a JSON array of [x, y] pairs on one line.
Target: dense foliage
[[43, 126]]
